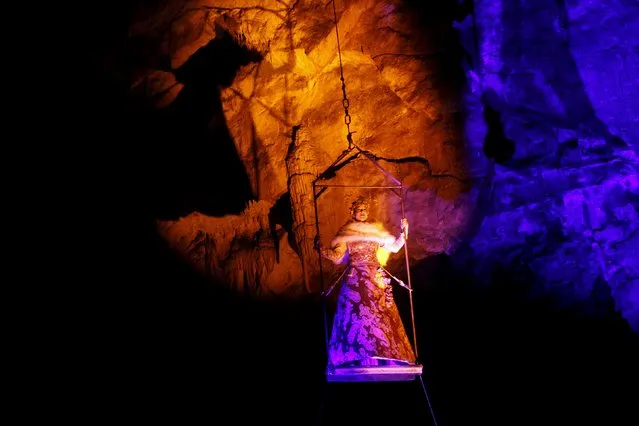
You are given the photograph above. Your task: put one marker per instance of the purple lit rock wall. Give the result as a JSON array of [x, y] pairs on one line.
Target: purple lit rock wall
[[553, 134]]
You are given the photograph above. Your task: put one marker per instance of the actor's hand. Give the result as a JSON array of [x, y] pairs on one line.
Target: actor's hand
[[405, 227]]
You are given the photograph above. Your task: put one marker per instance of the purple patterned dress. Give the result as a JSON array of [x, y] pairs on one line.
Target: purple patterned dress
[[367, 327]]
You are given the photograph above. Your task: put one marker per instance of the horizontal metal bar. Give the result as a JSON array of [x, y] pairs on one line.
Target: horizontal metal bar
[[357, 186]]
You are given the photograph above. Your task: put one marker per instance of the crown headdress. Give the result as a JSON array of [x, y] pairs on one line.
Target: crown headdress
[[360, 202]]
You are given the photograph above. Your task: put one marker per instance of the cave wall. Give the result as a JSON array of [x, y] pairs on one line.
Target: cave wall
[[552, 105], [283, 108], [512, 124]]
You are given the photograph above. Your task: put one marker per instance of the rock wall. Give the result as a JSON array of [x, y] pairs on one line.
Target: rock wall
[[552, 107], [518, 151]]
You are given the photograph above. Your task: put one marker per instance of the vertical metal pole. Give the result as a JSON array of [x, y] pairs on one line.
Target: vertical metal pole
[[410, 286], [321, 272]]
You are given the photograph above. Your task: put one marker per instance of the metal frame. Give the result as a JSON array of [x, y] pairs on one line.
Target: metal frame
[[396, 373], [398, 186], [386, 373]]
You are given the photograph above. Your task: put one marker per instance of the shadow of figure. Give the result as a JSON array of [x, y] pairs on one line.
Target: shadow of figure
[[195, 165], [536, 39]]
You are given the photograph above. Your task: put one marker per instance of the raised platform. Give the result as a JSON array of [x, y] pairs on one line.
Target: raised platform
[[376, 373]]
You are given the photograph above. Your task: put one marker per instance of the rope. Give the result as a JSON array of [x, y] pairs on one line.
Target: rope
[[430, 407], [400, 282]]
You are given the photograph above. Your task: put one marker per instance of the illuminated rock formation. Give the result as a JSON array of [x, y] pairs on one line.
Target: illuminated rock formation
[[520, 155]]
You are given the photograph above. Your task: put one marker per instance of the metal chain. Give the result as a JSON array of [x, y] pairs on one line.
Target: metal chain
[[345, 101]]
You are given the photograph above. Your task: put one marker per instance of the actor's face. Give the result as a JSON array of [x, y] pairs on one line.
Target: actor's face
[[360, 214]]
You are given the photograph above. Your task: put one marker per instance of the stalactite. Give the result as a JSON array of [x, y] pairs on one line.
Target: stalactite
[[250, 261], [302, 170]]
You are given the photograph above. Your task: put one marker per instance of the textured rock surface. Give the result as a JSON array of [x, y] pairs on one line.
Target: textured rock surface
[[291, 86], [553, 102], [534, 169]]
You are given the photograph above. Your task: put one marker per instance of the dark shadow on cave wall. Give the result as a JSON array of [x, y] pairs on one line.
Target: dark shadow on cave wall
[[192, 161]]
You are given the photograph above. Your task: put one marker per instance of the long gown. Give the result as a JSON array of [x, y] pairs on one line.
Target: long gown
[[367, 328]]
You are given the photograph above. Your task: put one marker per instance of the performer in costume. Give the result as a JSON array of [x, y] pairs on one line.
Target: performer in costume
[[367, 328]]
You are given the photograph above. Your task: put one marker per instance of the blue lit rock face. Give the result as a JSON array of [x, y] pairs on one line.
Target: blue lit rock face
[[553, 135]]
